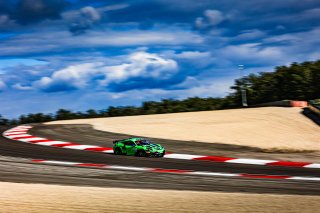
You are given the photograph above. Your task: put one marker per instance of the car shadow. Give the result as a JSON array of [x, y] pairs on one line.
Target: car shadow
[[311, 115]]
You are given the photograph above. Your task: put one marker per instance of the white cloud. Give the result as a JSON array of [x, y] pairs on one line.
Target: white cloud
[[2, 85], [138, 37], [214, 16], [6, 22], [75, 76], [218, 87], [95, 12], [90, 13], [21, 87], [140, 64], [250, 34], [54, 41], [306, 37], [113, 7], [193, 55], [296, 47], [84, 20], [199, 22], [213, 87], [252, 53], [4, 19], [314, 56], [195, 58], [136, 65], [210, 18]]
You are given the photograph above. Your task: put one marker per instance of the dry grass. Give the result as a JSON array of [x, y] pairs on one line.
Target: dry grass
[[39, 198], [270, 128]]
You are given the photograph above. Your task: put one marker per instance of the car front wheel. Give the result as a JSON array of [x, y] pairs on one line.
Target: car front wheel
[[117, 151]]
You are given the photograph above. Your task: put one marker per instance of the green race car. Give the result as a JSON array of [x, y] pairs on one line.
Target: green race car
[[138, 147]]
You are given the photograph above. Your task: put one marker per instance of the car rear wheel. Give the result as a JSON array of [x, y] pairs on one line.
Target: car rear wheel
[[141, 153], [118, 151]]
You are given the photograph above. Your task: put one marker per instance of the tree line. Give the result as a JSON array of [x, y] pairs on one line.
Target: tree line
[[149, 107], [294, 82]]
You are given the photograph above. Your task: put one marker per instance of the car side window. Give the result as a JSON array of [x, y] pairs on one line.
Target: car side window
[[129, 143], [125, 143]]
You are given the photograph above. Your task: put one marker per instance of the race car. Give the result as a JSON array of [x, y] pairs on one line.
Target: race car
[[138, 147]]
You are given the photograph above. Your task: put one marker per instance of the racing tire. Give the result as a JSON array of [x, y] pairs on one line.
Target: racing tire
[[117, 151], [141, 153]]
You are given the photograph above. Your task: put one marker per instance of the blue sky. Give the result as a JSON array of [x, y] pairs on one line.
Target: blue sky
[[81, 54]]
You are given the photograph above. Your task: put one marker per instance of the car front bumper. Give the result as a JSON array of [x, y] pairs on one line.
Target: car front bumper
[[156, 154]]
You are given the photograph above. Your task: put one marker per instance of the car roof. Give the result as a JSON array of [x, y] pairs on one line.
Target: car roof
[[132, 139]]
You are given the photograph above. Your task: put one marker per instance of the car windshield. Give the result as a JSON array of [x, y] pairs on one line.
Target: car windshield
[[143, 142]]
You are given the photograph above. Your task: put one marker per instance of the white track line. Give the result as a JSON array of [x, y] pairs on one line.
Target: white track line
[[177, 171]]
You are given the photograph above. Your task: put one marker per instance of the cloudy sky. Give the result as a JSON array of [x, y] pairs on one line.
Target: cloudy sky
[[81, 54]]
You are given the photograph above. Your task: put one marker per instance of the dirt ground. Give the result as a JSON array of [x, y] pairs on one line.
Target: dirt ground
[[270, 128], [19, 197]]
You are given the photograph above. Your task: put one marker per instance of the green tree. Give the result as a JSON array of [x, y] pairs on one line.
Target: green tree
[[63, 114], [3, 121]]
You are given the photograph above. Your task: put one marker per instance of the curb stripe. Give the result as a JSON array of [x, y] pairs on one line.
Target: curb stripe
[[250, 161], [50, 143], [80, 147], [17, 136], [30, 139], [177, 171], [99, 149], [313, 165], [183, 156], [304, 178], [65, 144], [292, 164], [19, 133], [15, 133], [22, 136], [214, 158], [38, 141]]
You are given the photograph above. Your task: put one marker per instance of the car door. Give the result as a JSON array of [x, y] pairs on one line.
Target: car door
[[130, 147]]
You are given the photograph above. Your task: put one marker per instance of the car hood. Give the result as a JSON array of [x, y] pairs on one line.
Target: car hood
[[153, 146]]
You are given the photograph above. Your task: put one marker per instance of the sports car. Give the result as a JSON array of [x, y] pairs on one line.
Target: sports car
[[138, 147]]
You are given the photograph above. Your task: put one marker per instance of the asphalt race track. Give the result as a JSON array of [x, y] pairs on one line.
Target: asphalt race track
[[18, 170]]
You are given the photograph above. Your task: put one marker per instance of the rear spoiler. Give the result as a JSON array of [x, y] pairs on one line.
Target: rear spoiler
[[115, 141]]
